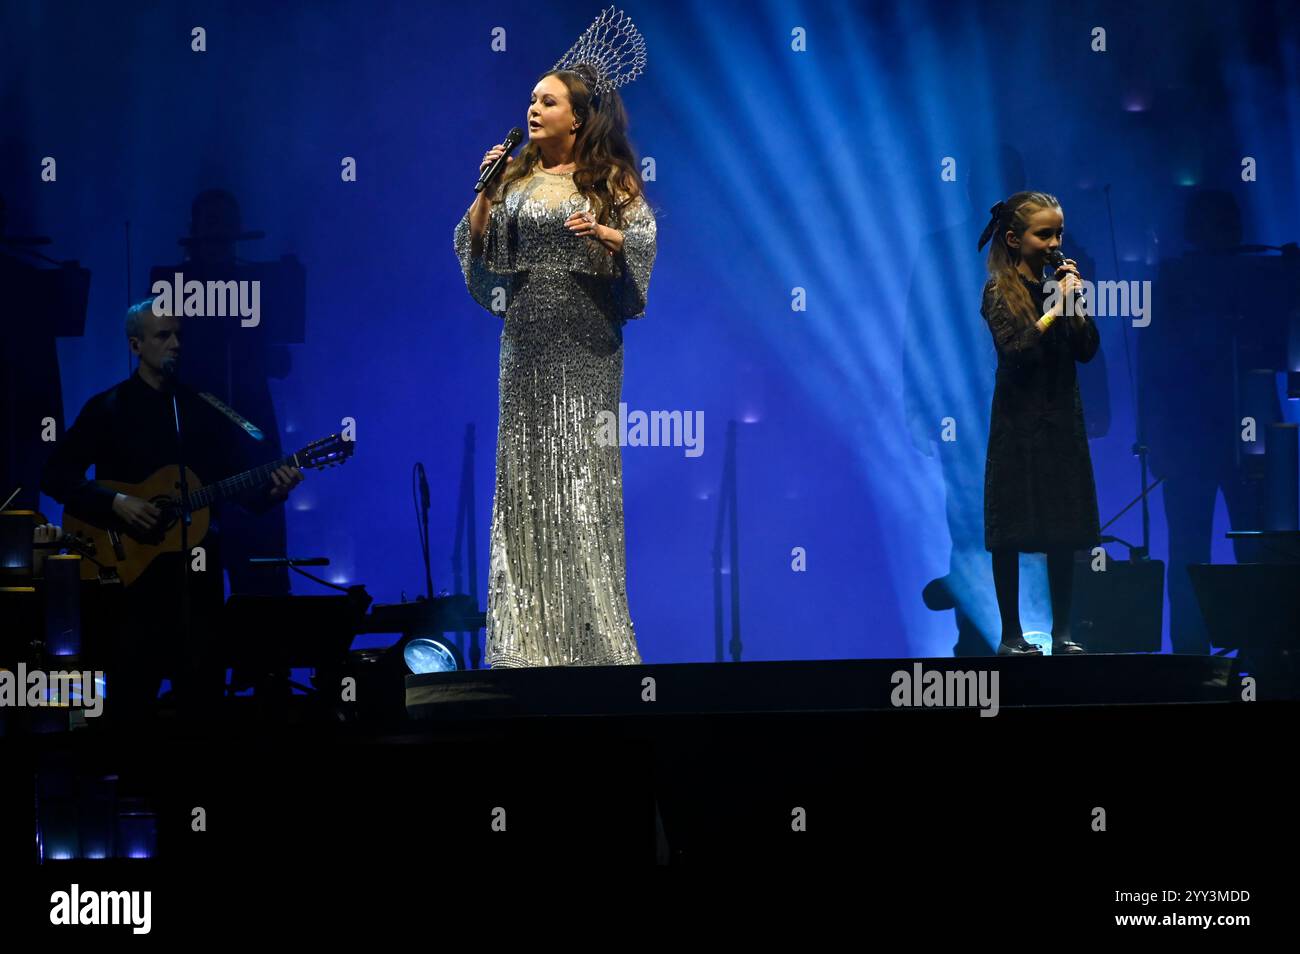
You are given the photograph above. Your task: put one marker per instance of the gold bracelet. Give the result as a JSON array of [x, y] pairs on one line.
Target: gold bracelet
[[1047, 320]]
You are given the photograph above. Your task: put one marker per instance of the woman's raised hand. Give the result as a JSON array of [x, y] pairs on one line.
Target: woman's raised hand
[[490, 156], [481, 210]]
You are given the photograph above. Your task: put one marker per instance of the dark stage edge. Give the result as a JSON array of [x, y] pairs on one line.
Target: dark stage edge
[[846, 685], [920, 811]]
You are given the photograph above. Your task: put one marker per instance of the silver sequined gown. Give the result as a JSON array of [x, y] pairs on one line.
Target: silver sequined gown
[[557, 591]]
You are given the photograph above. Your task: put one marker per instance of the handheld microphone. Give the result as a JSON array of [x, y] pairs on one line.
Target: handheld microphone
[[1056, 258], [513, 138]]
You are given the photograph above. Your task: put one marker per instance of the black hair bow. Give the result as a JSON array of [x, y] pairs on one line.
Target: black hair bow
[[989, 229]]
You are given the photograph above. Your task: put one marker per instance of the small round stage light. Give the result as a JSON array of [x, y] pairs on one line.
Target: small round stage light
[[428, 655], [1040, 639]]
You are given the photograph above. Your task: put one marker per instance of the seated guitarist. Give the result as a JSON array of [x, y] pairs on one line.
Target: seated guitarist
[[127, 433]]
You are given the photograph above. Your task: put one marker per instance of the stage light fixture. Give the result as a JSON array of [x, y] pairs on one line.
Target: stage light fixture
[[424, 655]]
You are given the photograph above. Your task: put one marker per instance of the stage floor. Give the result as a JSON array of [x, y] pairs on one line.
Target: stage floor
[[844, 685]]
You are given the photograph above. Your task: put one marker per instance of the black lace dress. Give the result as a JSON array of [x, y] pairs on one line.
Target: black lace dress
[[1039, 493]]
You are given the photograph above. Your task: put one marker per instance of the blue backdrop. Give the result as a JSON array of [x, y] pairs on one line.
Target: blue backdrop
[[775, 168]]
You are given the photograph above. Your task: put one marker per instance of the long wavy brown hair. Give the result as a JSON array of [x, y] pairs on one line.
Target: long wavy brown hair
[[1003, 259], [605, 167]]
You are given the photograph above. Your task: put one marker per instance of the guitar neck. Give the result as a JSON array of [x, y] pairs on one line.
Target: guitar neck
[[236, 485]]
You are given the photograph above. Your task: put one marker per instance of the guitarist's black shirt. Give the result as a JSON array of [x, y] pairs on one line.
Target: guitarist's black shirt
[[129, 431]]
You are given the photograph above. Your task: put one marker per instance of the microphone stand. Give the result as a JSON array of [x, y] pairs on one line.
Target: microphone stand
[[191, 656], [1140, 448], [727, 526], [422, 524]]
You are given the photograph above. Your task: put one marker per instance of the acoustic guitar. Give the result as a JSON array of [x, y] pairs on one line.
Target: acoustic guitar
[[125, 552]]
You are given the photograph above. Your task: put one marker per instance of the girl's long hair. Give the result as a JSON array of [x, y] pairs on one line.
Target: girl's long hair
[[605, 167], [1016, 212]]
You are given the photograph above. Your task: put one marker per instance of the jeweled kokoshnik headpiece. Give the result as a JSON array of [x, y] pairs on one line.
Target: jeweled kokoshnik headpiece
[[613, 50]]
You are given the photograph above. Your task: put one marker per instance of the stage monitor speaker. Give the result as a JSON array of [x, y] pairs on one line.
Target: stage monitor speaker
[[1119, 609], [1249, 605]]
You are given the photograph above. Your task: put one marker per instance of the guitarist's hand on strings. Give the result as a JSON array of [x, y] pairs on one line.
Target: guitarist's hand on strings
[[286, 478], [136, 513]]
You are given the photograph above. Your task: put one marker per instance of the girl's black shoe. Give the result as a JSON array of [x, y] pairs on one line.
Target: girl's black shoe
[[1066, 647], [1019, 647]]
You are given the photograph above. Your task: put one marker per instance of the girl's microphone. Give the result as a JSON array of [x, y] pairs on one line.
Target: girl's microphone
[[1056, 258]]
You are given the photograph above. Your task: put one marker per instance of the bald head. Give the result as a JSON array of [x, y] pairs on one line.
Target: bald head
[[154, 339]]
